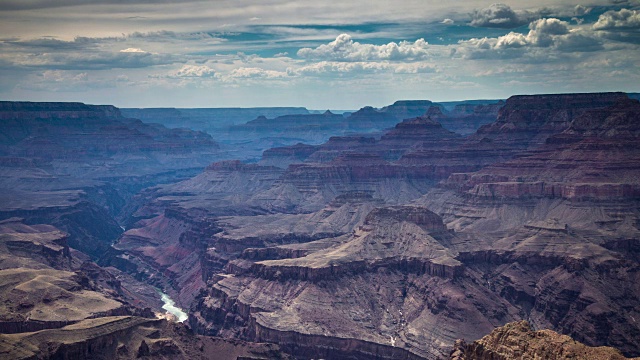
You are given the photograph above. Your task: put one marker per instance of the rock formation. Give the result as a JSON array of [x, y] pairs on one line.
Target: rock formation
[[571, 201], [518, 340], [563, 262], [55, 306], [127, 337], [75, 166], [390, 245]]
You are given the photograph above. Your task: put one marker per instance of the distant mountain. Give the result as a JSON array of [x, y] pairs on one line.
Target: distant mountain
[[207, 119]]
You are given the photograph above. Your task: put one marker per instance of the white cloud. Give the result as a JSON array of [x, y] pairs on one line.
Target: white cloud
[[549, 33], [253, 72], [326, 68], [447, 21], [511, 40], [623, 19], [194, 71], [132, 50], [414, 68], [499, 16], [343, 48]]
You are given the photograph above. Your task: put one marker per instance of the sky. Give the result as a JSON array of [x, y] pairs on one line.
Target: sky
[[317, 54]]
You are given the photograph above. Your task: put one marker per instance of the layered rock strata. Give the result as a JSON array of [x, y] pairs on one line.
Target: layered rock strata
[[126, 337], [519, 341]]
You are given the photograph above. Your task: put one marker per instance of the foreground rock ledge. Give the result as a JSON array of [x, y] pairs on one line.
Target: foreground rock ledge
[[517, 340]]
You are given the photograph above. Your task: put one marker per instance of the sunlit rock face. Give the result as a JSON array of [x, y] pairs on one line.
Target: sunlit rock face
[[518, 339]]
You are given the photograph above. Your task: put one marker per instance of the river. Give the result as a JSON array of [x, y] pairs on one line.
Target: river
[[171, 308]]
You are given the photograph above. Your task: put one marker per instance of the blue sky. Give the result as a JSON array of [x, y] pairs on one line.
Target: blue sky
[[145, 53]]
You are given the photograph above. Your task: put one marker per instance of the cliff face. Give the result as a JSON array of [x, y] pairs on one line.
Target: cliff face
[[75, 128], [284, 156], [90, 228], [570, 201], [76, 166], [55, 306], [526, 121], [43, 285], [127, 337], [519, 341], [407, 109], [466, 118], [594, 160], [351, 296], [523, 124], [364, 164]]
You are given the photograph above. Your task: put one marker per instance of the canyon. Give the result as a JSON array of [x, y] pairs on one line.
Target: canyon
[[419, 230]]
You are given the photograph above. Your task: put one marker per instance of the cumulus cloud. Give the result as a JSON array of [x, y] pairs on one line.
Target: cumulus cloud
[[343, 48], [194, 71], [623, 19], [447, 22], [581, 10], [132, 50], [188, 72], [361, 67], [499, 16], [548, 33], [254, 72]]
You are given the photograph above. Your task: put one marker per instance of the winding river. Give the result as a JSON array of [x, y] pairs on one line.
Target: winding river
[[171, 308]]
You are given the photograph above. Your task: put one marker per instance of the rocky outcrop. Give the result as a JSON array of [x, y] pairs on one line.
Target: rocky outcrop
[[90, 229], [557, 209], [407, 109], [467, 117], [37, 245], [369, 118], [526, 121], [49, 285], [364, 164], [126, 337], [284, 156], [166, 251], [76, 166], [518, 340], [390, 243], [570, 164]]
